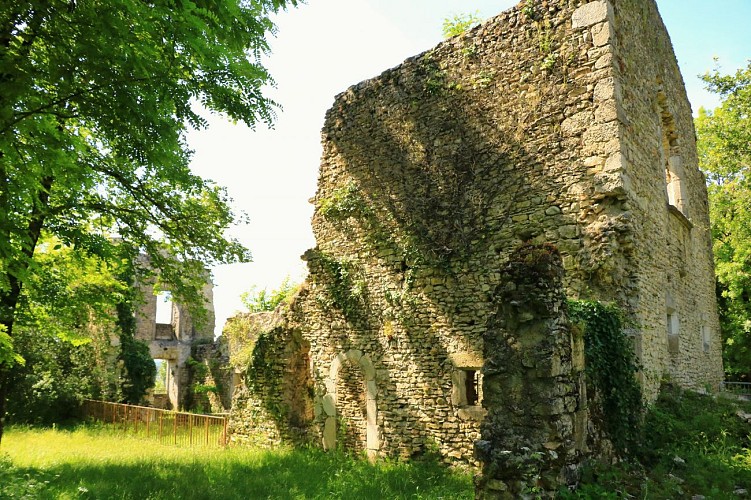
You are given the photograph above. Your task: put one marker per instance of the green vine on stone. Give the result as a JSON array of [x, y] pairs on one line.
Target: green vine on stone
[[530, 9], [346, 287], [261, 368], [435, 75], [344, 202], [611, 369]]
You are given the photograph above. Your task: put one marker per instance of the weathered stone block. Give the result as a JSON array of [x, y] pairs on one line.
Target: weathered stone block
[[329, 404], [591, 13]]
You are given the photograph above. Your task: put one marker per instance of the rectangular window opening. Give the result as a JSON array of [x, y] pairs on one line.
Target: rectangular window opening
[[706, 338], [471, 384], [673, 327]]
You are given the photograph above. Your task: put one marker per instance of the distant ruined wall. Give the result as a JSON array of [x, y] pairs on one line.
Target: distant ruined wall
[[174, 341], [523, 129]]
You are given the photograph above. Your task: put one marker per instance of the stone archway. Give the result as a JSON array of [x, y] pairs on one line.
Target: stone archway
[[330, 400]]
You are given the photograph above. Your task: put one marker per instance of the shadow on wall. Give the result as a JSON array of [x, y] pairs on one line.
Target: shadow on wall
[[426, 190]]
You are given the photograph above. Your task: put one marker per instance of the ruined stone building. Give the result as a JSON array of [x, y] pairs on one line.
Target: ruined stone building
[[175, 341], [563, 122]]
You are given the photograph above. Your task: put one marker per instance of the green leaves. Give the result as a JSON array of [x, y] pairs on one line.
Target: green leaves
[[459, 23], [263, 300], [724, 147], [8, 356], [611, 371]]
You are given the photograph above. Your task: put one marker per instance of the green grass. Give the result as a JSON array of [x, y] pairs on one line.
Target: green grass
[[94, 463], [710, 441]]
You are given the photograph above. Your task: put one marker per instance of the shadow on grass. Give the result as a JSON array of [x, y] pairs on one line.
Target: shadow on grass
[[289, 474]]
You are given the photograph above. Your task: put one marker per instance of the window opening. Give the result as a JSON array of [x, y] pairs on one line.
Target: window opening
[[706, 336], [471, 383], [675, 178], [162, 371], [467, 388], [164, 308], [673, 327]]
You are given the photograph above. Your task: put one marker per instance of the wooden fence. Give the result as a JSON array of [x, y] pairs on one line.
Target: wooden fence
[[167, 427], [741, 389]]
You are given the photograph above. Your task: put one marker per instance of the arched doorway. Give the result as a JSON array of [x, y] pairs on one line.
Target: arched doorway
[[359, 396]]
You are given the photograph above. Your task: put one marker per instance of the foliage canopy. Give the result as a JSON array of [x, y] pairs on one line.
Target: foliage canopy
[[95, 100], [724, 146]]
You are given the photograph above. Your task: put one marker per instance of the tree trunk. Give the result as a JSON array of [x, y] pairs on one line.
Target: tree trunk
[[9, 299], [4, 379]]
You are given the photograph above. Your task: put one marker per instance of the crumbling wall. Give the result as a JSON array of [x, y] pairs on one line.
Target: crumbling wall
[[431, 174], [522, 129], [534, 437], [272, 402], [211, 378]]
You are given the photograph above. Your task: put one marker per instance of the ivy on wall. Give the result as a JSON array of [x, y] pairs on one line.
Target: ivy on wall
[[344, 202], [345, 286], [140, 370], [611, 371]]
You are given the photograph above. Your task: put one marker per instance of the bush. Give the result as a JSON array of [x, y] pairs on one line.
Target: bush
[[692, 444], [55, 379]]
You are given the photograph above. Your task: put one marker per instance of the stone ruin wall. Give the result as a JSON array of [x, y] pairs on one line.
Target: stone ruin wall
[[525, 128], [271, 400], [672, 269], [173, 342]]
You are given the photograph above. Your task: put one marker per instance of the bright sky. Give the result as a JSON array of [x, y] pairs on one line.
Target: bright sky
[[327, 45]]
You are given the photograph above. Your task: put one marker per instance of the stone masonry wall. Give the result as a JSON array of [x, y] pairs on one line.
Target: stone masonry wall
[[523, 129], [431, 174], [672, 268], [273, 402], [534, 437]]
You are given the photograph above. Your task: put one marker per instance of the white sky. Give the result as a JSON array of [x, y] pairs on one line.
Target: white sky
[[325, 46]]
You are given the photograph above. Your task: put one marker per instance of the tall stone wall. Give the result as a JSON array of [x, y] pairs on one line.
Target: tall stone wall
[[523, 129], [431, 174], [672, 270]]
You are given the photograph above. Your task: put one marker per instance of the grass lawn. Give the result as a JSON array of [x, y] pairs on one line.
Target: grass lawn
[[691, 445], [94, 463]]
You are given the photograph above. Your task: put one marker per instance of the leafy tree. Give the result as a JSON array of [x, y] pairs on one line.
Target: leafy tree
[[263, 300], [724, 143], [66, 322], [95, 100], [459, 23]]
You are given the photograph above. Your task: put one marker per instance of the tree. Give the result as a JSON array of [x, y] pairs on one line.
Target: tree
[[724, 143], [459, 23], [95, 99], [263, 300]]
